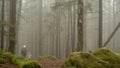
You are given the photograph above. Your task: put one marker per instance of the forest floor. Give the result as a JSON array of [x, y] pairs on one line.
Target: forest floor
[[52, 63], [45, 64], [8, 66]]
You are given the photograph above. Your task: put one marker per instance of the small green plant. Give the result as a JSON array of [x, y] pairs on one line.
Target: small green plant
[[3, 61], [31, 64]]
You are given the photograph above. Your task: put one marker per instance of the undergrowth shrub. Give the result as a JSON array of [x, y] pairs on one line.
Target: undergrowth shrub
[[18, 60], [6, 55], [3, 61]]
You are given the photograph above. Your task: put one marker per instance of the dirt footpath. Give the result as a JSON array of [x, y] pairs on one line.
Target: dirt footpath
[[7, 66], [52, 64]]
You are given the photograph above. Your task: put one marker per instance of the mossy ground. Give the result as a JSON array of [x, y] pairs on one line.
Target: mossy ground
[[108, 56], [9, 58], [101, 58], [31, 64]]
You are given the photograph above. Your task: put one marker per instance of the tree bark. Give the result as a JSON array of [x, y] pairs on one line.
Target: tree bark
[[18, 22], [100, 23], [80, 25], [2, 28], [13, 23]]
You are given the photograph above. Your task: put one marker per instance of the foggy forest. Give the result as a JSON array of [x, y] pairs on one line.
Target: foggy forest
[[59, 33]]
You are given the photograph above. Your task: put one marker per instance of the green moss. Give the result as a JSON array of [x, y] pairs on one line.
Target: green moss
[[47, 57], [18, 60], [118, 54], [31, 64], [10, 58], [108, 56], [83, 60], [101, 58]]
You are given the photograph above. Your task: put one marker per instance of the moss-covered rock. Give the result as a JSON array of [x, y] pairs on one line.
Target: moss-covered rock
[[84, 60], [101, 58], [108, 56], [31, 64]]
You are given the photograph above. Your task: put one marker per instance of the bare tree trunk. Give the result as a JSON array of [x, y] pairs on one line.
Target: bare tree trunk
[[57, 34], [41, 39], [111, 36], [68, 31], [2, 28], [73, 33], [100, 23], [13, 23], [18, 22], [80, 25]]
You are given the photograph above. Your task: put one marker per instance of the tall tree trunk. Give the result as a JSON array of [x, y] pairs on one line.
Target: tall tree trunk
[[2, 28], [73, 33], [57, 34], [80, 25], [41, 18], [13, 23], [18, 22], [100, 23]]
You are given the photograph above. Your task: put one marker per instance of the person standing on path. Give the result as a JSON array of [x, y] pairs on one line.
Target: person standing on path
[[24, 51]]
